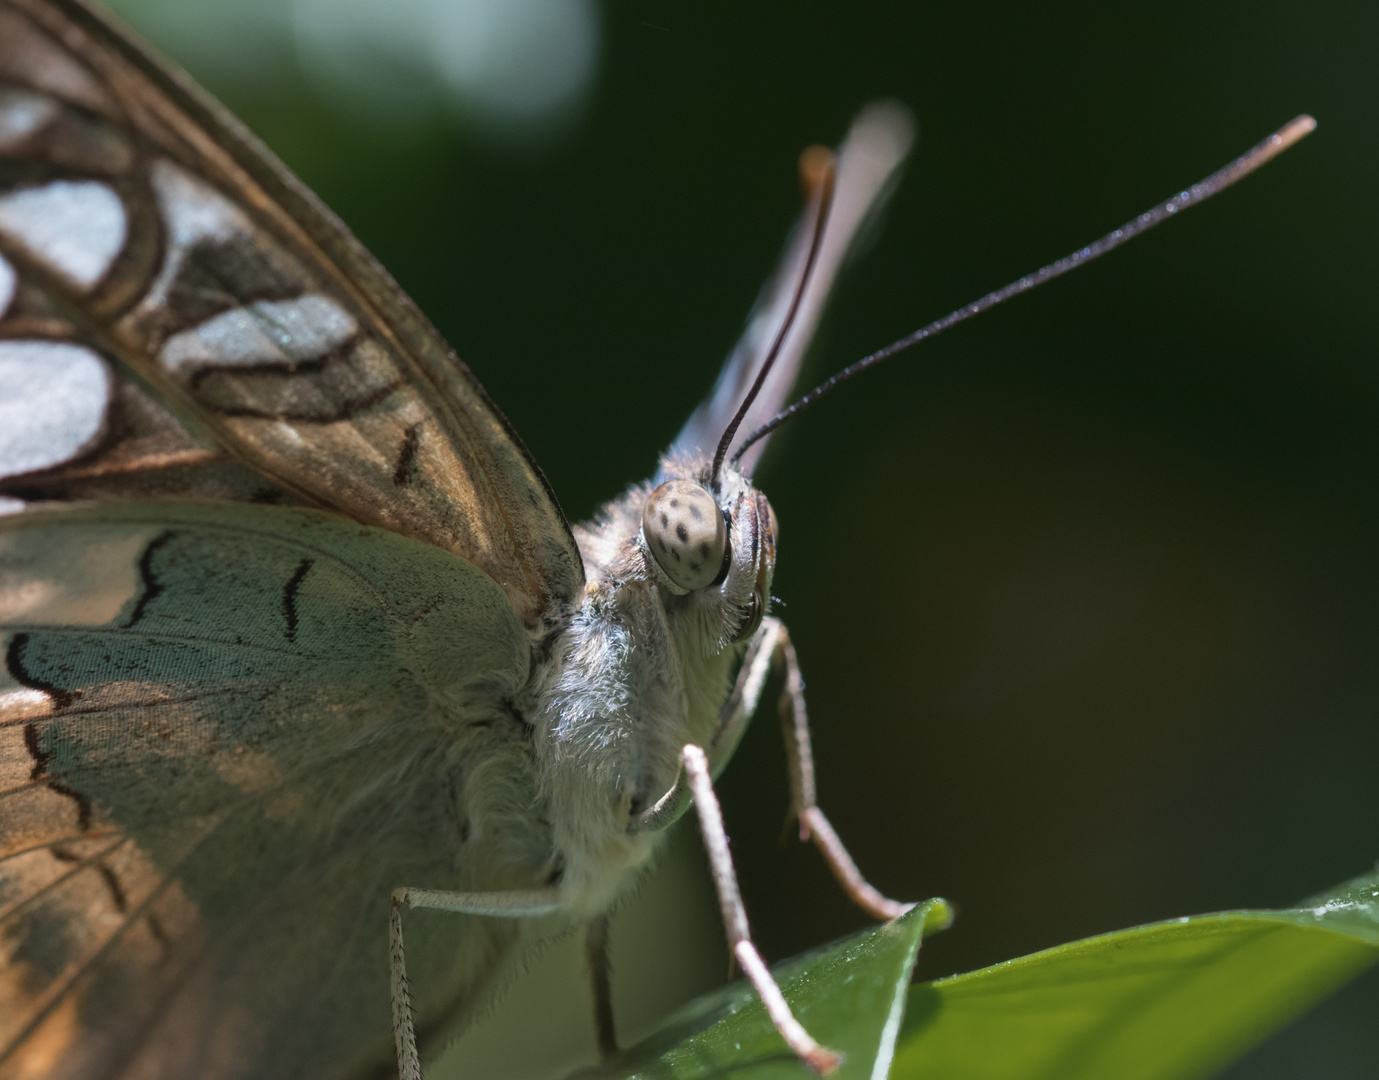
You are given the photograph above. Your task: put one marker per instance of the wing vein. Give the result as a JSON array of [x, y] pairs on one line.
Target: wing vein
[[72, 871], [65, 985]]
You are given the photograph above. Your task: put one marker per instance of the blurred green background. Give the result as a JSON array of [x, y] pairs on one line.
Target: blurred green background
[[1086, 592]]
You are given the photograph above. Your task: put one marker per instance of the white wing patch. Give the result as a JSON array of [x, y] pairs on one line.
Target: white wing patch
[[193, 212], [73, 227], [23, 114], [54, 405], [264, 332], [192, 209]]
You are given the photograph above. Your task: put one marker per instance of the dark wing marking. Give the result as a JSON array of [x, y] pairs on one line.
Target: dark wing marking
[[171, 298], [404, 472], [290, 596], [876, 144], [43, 758], [149, 588], [14, 664]]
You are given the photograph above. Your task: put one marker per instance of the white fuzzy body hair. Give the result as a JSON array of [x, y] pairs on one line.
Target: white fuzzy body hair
[[641, 670]]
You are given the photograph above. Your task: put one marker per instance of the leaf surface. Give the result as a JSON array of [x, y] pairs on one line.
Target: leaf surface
[[1167, 1001], [849, 995], [1177, 999]]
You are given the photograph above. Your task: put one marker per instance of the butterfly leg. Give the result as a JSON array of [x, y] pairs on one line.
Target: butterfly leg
[[803, 805], [596, 953], [772, 648], [741, 706], [696, 766], [517, 904]]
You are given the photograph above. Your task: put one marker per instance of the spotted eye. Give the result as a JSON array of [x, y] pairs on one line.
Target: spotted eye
[[685, 532]]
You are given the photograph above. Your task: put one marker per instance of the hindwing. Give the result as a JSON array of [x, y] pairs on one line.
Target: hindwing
[[226, 733]]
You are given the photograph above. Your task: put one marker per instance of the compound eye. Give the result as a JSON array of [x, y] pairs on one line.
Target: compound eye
[[685, 531]]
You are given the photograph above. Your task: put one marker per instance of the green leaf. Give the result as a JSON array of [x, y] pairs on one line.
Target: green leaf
[[1176, 999], [1170, 1000], [850, 996]]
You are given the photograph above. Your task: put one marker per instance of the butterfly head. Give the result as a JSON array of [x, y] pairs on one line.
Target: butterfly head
[[718, 548], [678, 575]]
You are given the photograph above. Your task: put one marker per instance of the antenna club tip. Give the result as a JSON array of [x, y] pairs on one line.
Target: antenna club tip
[[1294, 130], [816, 165]]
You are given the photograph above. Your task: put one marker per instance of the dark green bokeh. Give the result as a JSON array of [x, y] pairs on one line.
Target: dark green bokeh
[[1089, 586]]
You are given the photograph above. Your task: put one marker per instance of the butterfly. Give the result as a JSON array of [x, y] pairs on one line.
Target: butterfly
[[296, 637]]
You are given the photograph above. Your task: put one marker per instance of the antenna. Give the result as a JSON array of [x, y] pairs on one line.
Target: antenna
[[818, 170], [1223, 178]]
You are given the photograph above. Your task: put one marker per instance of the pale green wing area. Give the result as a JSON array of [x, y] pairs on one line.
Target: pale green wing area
[[226, 732], [1174, 1000]]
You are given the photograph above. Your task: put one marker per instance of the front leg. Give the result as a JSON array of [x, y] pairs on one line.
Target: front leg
[[518, 904], [601, 984], [772, 649], [695, 764]]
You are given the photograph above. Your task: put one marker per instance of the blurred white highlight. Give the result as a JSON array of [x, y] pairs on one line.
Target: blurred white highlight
[[511, 67], [506, 63]]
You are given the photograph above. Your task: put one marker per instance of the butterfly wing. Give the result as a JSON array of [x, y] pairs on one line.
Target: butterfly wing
[[875, 146], [226, 732], [215, 330]]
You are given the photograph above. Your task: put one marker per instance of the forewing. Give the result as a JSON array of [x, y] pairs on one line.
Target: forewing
[[226, 732], [176, 306], [876, 144]]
